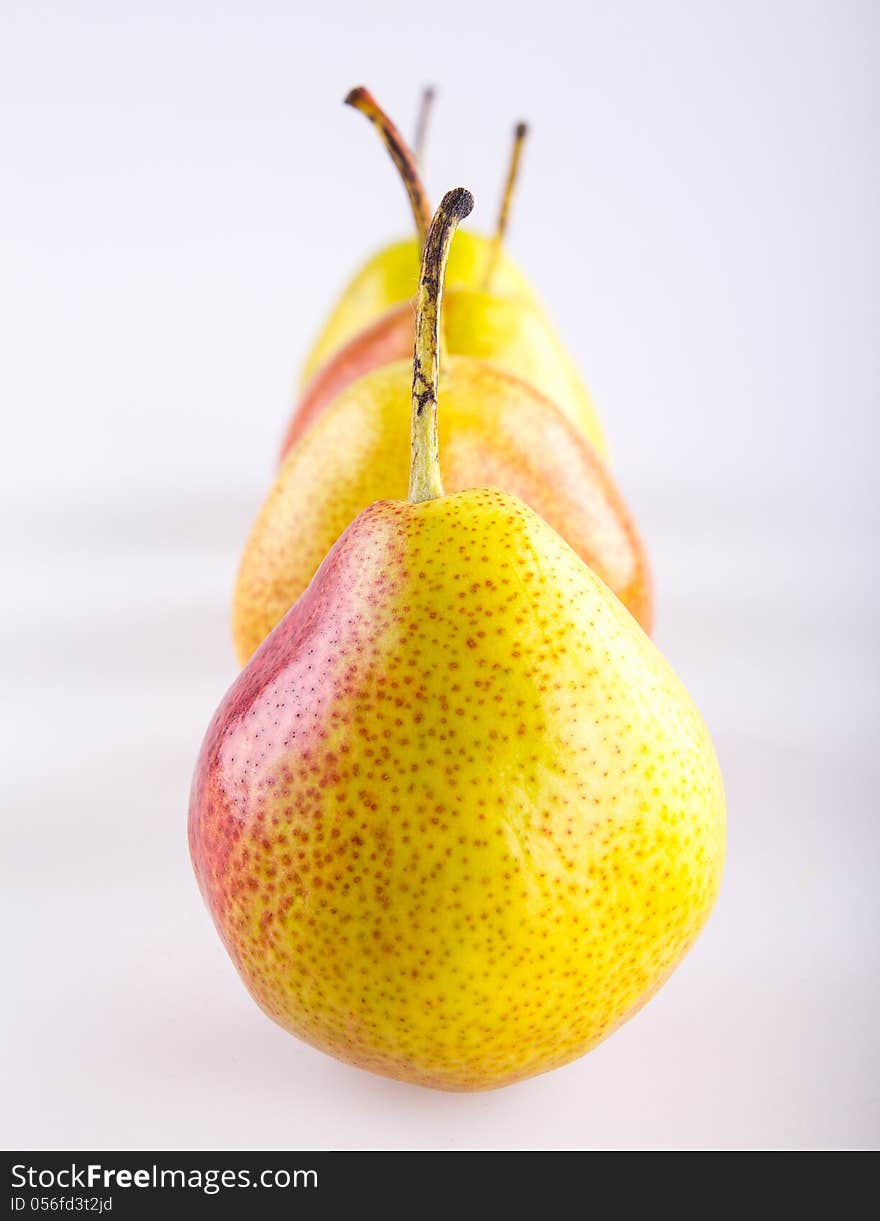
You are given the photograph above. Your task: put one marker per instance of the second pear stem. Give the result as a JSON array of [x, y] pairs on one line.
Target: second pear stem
[[519, 138]]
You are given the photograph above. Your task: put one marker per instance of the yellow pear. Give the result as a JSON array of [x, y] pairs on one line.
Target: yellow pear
[[457, 819], [390, 277]]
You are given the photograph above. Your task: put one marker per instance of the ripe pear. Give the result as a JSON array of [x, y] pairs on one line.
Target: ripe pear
[[491, 310], [457, 819], [494, 429]]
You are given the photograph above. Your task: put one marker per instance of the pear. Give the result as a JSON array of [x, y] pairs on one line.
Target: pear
[[388, 279], [491, 312], [457, 819]]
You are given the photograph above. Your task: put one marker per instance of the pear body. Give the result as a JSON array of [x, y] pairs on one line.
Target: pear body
[[390, 278], [457, 819], [509, 333], [495, 430]]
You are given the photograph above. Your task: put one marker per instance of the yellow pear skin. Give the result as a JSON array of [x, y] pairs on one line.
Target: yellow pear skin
[[457, 820], [390, 277], [518, 339]]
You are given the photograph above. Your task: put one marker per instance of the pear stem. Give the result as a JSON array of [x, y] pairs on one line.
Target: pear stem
[[426, 105], [424, 474], [519, 137], [361, 99]]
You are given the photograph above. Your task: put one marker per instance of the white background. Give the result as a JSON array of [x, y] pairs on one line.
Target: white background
[[184, 196]]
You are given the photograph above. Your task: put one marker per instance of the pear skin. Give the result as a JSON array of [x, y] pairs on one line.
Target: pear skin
[[494, 430], [390, 277], [457, 820], [511, 335]]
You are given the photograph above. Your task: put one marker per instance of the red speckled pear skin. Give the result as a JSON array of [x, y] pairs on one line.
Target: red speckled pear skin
[[457, 819]]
